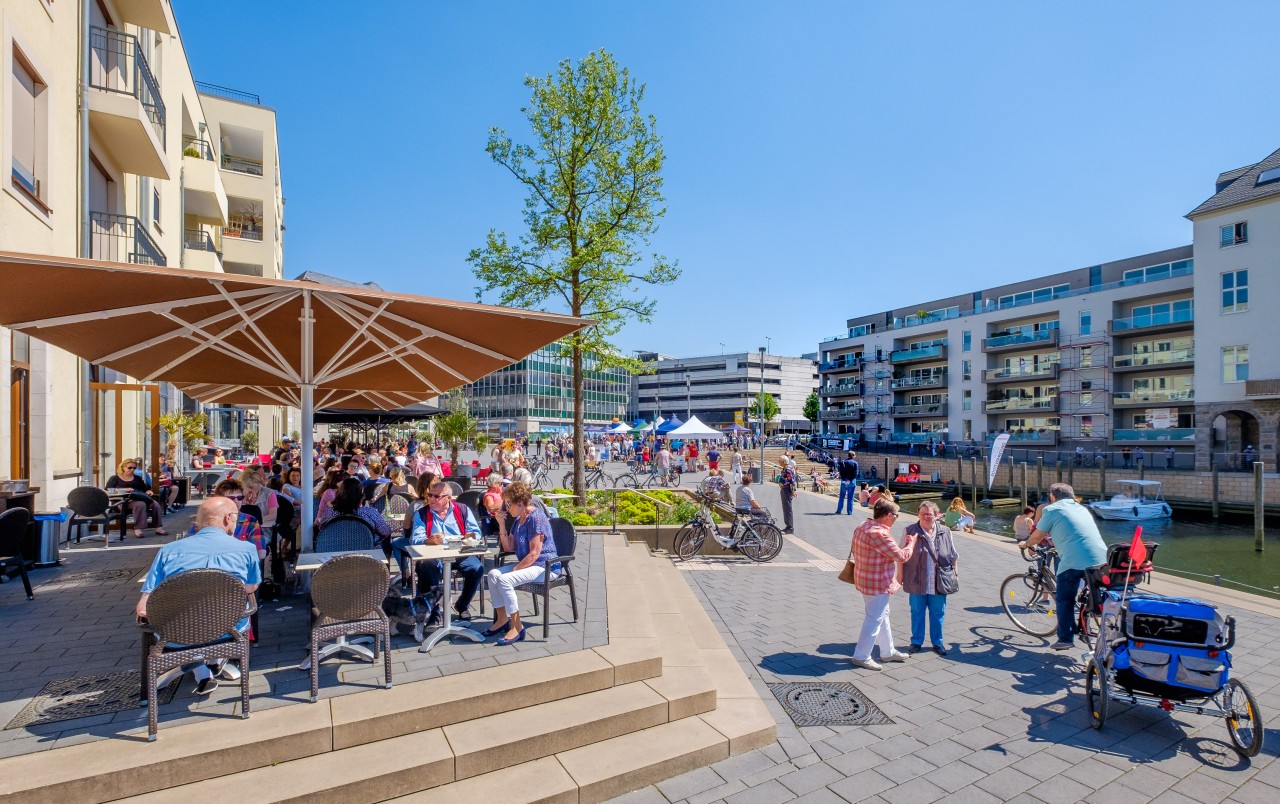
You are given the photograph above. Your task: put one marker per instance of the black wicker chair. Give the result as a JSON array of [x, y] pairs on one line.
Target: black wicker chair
[[346, 600], [397, 508], [92, 506], [197, 609], [345, 533], [566, 539], [13, 532]]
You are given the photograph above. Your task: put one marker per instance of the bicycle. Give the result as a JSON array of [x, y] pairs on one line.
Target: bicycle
[[759, 539], [593, 476], [1030, 599], [538, 470], [633, 478]]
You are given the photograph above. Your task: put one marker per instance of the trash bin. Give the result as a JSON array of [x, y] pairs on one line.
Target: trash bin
[[51, 528], [755, 474]]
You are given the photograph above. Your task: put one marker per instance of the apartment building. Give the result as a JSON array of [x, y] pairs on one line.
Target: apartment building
[[718, 389], [116, 154]]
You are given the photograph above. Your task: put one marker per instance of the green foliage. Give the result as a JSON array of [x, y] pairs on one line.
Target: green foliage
[[249, 440], [582, 519], [190, 151], [457, 428], [295, 435], [180, 427], [770, 405], [811, 406], [632, 508]]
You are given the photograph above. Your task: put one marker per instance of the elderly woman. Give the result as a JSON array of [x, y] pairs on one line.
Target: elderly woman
[[934, 553], [494, 523], [140, 502], [877, 569], [533, 543]]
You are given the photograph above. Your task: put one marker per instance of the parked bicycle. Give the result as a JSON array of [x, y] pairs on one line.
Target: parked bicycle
[[655, 478], [538, 469], [753, 534], [594, 476], [1030, 598]]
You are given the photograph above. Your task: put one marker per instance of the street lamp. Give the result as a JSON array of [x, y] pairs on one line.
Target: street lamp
[[760, 408], [688, 397]]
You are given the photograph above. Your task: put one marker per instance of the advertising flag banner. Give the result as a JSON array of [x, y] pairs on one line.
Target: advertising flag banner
[[997, 452]]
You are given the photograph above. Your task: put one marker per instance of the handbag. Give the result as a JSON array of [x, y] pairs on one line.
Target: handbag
[[945, 579], [846, 574]]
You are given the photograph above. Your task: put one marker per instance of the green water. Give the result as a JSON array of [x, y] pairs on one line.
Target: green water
[[1188, 548]]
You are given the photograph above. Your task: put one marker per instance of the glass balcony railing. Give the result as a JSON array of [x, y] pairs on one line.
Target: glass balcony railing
[[1152, 320], [921, 382], [840, 388], [937, 351], [1034, 403], [1182, 395], [1147, 434], [1045, 436], [1020, 339], [1140, 359], [1014, 373], [916, 438], [839, 364], [925, 409]]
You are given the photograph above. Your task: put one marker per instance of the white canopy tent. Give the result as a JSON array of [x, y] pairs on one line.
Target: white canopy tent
[[696, 430], [621, 428]]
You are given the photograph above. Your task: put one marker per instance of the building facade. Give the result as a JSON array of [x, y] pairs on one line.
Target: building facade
[[536, 394], [136, 173], [718, 389]]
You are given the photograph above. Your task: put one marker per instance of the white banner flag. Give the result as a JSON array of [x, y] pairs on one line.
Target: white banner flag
[[997, 452]]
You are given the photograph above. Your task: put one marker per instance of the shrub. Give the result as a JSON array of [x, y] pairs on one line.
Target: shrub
[[582, 519]]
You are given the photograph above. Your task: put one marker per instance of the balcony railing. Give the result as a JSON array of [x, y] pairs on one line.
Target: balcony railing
[[122, 238], [1147, 434], [1043, 337], [839, 389], [227, 93], [242, 233], [117, 65], [1011, 374], [202, 149], [916, 438], [839, 364], [1047, 436], [927, 409], [850, 412], [938, 351], [1140, 359], [930, 381], [1152, 320], [1034, 403], [1132, 397], [198, 240], [240, 164]]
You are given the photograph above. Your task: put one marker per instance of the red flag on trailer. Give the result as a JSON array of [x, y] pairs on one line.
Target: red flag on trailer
[[1137, 550]]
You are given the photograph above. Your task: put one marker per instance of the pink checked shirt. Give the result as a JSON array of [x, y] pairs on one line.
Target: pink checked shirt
[[874, 553]]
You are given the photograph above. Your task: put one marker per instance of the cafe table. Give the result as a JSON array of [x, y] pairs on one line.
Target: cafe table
[[309, 562], [446, 553]]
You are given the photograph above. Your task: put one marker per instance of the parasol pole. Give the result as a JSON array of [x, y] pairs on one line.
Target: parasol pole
[[308, 399]]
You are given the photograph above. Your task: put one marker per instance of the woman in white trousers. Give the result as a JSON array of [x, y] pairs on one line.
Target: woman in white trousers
[[531, 539]]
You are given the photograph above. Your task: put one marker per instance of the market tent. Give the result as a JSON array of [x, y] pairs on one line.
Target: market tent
[[236, 338], [737, 428], [669, 425], [696, 430], [641, 427], [621, 428]]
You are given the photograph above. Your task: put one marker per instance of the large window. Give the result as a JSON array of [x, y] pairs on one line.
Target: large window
[[1235, 363], [29, 127], [1033, 296], [1086, 322], [967, 340], [1233, 234], [1235, 291]]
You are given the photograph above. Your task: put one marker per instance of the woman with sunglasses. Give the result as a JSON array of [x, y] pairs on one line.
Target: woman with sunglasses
[[140, 501]]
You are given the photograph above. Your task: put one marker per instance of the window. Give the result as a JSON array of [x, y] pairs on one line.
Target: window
[[967, 340], [1086, 356], [1235, 291], [1233, 234], [155, 206], [968, 400], [1151, 273], [1086, 399], [966, 369], [1086, 426], [1267, 176], [29, 124], [1235, 363], [1095, 276], [1086, 322], [1033, 296]]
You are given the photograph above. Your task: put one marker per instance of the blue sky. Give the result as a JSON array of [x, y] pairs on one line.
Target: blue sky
[[824, 159]]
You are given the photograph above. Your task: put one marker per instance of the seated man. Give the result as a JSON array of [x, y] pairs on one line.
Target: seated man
[[211, 547], [715, 486], [442, 520]]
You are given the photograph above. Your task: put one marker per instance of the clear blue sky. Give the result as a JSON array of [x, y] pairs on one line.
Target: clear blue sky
[[824, 159]]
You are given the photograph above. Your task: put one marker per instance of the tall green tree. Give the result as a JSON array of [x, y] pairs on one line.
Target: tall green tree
[[811, 406], [768, 404], [592, 173]]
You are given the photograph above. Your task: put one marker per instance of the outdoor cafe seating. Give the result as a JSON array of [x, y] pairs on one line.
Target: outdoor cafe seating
[[13, 531], [346, 600], [93, 506]]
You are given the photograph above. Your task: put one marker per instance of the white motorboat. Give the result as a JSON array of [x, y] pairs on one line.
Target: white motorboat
[[1141, 499]]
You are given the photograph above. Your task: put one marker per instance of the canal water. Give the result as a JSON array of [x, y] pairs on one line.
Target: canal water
[[1188, 548]]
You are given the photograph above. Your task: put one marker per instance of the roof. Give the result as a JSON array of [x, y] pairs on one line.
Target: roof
[[327, 279], [1241, 187]]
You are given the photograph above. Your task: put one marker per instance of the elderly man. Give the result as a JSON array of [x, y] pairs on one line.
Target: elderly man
[[1079, 545], [211, 547], [443, 521]]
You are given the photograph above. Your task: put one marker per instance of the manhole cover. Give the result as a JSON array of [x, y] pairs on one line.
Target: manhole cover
[[832, 704], [91, 578], [85, 696]]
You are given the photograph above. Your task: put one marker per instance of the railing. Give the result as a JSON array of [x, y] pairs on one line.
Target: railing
[[937, 351], [122, 238], [240, 164], [1035, 403], [198, 240], [914, 438], [242, 234], [839, 364], [117, 65], [1020, 373], [1170, 434], [227, 93], [1152, 320], [1261, 388], [202, 148], [1045, 436], [850, 412], [1138, 359], [1121, 397], [1045, 336], [926, 409], [840, 388], [920, 382]]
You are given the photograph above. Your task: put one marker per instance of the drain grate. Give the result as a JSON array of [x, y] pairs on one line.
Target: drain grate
[[86, 696], [91, 578], [830, 704]]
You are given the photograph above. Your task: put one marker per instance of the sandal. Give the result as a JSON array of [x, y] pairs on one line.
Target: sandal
[[161, 532], [137, 534]]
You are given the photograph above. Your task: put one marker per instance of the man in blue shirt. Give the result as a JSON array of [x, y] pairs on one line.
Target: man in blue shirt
[[1079, 545], [442, 521], [211, 547], [848, 469]]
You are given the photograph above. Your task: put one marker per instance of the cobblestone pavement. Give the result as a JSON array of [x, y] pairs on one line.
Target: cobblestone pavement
[[1001, 718]]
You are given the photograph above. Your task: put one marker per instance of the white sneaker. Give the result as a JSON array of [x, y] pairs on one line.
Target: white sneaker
[[866, 664], [896, 656]]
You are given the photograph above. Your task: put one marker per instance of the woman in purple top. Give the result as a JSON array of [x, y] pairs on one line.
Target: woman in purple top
[[531, 539]]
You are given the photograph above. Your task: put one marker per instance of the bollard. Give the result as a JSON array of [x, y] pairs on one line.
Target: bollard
[[1217, 580], [1011, 475], [1258, 512], [1024, 484], [1071, 475], [1059, 463], [959, 475], [1102, 481], [973, 465], [1142, 470], [1039, 477], [1213, 470]]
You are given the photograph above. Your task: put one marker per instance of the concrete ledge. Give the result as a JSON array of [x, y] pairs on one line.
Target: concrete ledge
[[688, 691], [745, 723], [543, 781], [627, 763], [632, 659]]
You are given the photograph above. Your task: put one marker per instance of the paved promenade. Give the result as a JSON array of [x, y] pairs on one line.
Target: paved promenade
[[1001, 718]]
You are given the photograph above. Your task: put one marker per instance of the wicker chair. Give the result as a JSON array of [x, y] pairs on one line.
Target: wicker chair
[[456, 488], [345, 533], [566, 539], [397, 507], [93, 506], [198, 610], [13, 532], [346, 600]]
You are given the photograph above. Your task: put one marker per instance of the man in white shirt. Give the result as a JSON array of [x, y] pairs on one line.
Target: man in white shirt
[[664, 459]]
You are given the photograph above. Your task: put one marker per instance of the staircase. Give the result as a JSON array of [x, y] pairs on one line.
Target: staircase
[[664, 697]]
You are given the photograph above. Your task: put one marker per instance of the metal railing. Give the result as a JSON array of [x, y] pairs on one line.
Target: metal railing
[[239, 164], [920, 382], [1138, 359], [1169, 434], [1011, 373], [1035, 403], [241, 233], [850, 412], [925, 409], [198, 240], [1152, 320], [840, 388], [226, 93], [1121, 397], [839, 364], [122, 238], [936, 351], [1045, 336], [202, 148], [118, 65]]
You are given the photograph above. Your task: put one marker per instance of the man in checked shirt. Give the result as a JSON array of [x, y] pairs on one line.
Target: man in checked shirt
[[877, 571]]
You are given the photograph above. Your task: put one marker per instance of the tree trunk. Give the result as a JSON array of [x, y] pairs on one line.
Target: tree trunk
[[579, 437]]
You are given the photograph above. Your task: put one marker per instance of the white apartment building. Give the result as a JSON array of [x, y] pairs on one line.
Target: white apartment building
[[1151, 351], [115, 154], [719, 388]]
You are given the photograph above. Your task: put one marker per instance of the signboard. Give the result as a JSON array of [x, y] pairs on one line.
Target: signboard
[[1161, 418], [737, 418]]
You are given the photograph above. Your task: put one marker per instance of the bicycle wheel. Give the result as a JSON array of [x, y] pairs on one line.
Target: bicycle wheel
[[567, 480], [760, 542], [1030, 605], [1244, 721], [689, 540], [1097, 689], [673, 478], [626, 481]]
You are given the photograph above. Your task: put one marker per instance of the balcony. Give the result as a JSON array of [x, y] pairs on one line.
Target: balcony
[[931, 381], [1148, 434], [1013, 374], [203, 194], [242, 232], [126, 112], [840, 389], [1011, 342], [1148, 360], [927, 409], [199, 252], [938, 351], [1039, 404], [1129, 399], [842, 414], [916, 438], [844, 363], [122, 238], [1029, 438], [242, 164], [153, 14], [1262, 389], [1153, 323]]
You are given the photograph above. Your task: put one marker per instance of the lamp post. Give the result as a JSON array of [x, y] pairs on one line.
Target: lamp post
[[688, 397], [760, 409]]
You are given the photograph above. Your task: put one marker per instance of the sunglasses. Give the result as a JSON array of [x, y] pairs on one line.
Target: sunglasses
[[441, 496], [132, 466]]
